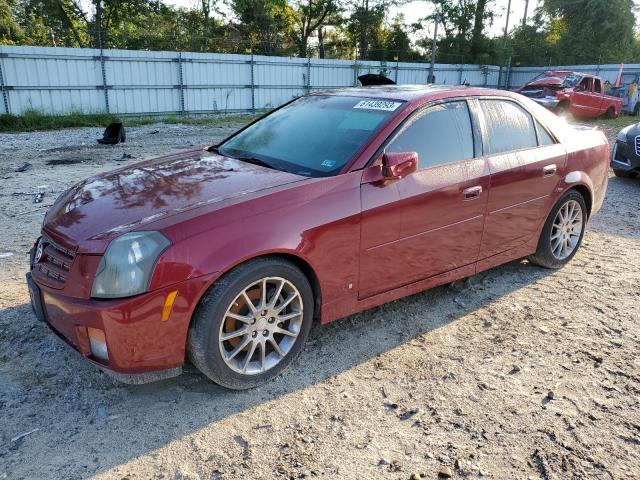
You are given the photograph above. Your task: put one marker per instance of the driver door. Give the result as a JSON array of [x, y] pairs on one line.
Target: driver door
[[431, 221]]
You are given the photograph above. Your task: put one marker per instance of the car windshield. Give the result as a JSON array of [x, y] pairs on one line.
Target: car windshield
[[568, 79], [314, 136], [571, 80]]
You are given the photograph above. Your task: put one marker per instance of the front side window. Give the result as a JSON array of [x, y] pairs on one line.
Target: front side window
[[313, 136], [509, 127], [442, 134]]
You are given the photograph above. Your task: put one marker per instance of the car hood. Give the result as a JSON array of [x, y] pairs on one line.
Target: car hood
[[103, 206]]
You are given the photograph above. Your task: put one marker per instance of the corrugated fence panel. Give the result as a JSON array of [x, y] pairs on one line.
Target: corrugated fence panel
[[142, 82], [62, 80]]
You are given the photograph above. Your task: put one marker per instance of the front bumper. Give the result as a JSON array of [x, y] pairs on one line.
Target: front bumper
[[624, 157], [141, 346]]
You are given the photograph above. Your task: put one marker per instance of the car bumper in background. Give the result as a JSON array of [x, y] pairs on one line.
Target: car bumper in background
[[624, 157], [143, 342]]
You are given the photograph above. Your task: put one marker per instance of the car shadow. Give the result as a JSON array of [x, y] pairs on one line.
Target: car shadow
[[89, 423]]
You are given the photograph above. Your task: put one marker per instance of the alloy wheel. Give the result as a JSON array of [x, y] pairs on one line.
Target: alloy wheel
[[566, 230], [261, 325]]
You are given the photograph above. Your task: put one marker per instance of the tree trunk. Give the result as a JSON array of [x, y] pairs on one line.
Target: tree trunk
[[477, 28], [321, 42]]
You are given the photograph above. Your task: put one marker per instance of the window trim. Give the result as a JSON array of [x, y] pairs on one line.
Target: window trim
[[484, 128], [416, 115]]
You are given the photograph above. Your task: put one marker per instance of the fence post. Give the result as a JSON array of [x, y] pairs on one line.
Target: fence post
[[253, 86], [397, 65], [103, 67], [308, 74], [355, 72], [508, 74], [181, 83], [461, 71], [5, 93]]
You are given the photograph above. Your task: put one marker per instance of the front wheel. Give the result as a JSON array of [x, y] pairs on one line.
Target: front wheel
[[562, 232], [252, 323]]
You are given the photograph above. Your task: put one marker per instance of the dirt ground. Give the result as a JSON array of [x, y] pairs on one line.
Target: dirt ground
[[517, 372]]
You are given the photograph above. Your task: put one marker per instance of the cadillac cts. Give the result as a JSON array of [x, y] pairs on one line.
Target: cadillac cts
[[334, 203]]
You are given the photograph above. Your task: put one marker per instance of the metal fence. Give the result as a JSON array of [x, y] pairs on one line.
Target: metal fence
[[64, 80]]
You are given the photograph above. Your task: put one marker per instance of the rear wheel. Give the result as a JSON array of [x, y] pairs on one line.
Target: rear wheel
[[252, 323], [562, 232]]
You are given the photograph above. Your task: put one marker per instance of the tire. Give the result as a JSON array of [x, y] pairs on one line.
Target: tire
[[212, 320], [562, 108], [610, 113], [545, 255], [636, 110], [624, 174]]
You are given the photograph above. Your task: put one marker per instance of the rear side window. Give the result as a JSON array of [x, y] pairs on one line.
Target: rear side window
[[543, 136], [442, 134], [509, 127]]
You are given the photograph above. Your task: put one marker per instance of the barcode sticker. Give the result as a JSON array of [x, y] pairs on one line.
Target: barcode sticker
[[377, 105]]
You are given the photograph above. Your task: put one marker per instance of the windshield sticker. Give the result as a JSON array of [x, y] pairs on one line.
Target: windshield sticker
[[328, 163], [378, 105]]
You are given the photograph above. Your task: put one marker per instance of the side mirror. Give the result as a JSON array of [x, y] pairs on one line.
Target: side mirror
[[397, 165]]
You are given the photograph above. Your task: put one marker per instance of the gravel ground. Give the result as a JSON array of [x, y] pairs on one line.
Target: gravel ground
[[517, 372]]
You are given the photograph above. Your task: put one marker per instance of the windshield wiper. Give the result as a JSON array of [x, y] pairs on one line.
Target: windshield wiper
[[254, 161]]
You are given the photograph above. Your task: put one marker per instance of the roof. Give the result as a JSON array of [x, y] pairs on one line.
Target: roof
[[410, 92]]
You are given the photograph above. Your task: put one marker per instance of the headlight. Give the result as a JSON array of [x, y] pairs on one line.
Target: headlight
[[622, 134], [126, 267]]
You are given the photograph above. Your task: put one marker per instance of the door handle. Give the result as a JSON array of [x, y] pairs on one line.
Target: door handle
[[549, 170], [471, 192]]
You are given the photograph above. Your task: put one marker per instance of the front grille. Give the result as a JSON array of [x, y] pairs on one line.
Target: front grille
[[638, 145], [54, 264]]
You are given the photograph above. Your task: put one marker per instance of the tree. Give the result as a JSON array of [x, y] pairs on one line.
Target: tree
[[10, 30], [593, 30], [311, 16], [266, 24], [365, 24]]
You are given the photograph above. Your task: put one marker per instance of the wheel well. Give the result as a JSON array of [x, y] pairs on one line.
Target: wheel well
[[307, 270], [586, 194], [309, 273]]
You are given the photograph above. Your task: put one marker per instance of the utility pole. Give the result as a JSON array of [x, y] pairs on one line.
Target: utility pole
[[526, 9], [431, 78]]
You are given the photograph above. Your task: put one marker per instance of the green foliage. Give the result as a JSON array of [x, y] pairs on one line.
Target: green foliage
[[593, 30], [10, 30], [33, 120], [560, 31]]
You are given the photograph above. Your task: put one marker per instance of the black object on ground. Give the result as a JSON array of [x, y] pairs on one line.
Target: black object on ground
[[113, 134]]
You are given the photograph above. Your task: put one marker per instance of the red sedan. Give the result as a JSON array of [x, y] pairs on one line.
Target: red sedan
[[332, 204]]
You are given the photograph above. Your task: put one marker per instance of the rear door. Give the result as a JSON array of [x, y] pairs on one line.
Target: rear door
[[526, 164], [431, 221]]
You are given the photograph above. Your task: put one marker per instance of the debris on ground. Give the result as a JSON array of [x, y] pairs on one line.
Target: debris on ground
[[21, 167]]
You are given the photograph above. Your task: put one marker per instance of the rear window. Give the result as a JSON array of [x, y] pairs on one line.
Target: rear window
[[313, 136]]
